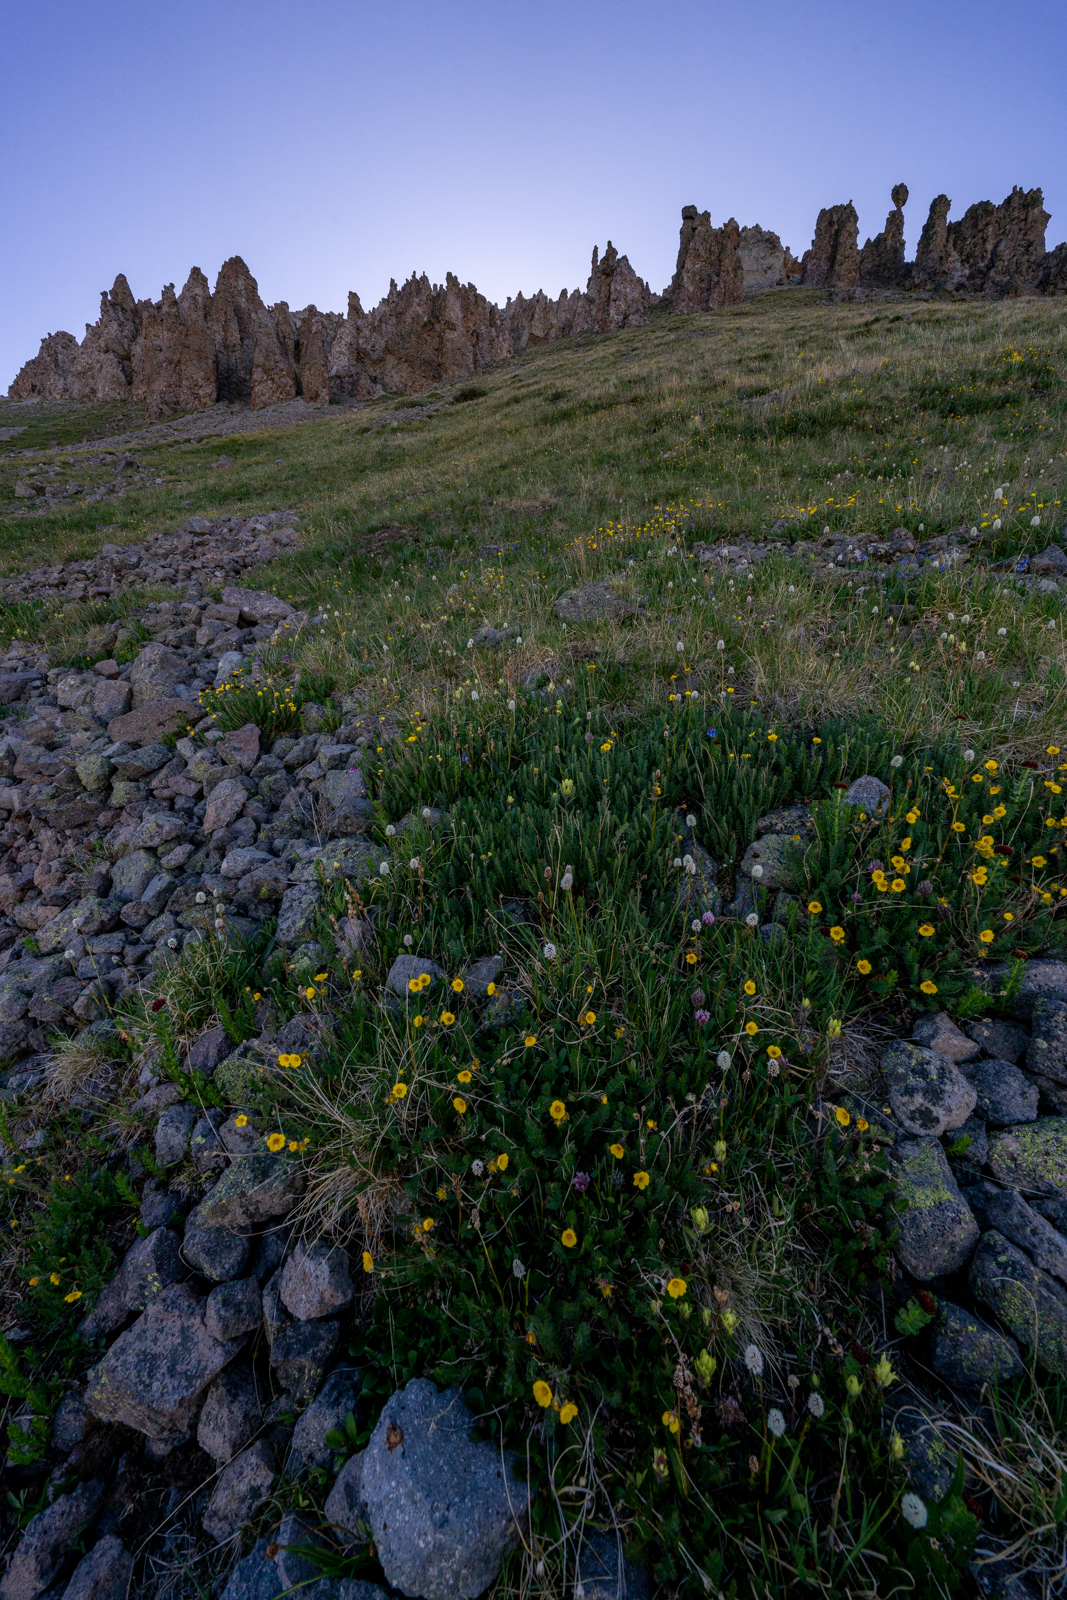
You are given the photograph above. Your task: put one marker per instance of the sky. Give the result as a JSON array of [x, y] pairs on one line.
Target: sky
[[336, 144]]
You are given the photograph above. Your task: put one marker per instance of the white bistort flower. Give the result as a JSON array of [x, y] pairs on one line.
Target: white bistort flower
[[913, 1511], [775, 1422], [816, 1404], [754, 1360]]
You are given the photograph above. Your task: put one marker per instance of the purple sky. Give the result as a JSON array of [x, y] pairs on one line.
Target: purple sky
[[335, 145]]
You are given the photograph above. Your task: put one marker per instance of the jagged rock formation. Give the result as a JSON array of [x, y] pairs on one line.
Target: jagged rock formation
[[709, 272], [540, 320], [47, 375], [616, 296], [421, 334], [1053, 279], [765, 262], [833, 260], [881, 261], [991, 250], [313, 361]]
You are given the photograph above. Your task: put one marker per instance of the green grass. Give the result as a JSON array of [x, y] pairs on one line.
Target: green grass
[[606, 461]]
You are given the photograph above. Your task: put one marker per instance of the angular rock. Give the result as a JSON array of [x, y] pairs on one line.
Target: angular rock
[[881, 261], [929, 1453], [591, 601], [207, 1051], [234, 1309], [1004, 1040], [936, 1031], [299, 1356], [231, 1413], [1047, 1051], [218, 1254], [1032, 1157], [1041, 980], [131, 875], [225, 804], [345, 1506], [104, 1574], [937, 1231], [777, 857], [154, 673], [240, 748], [1005, 1096], [1008, 1212], [244, 1486], [147, 723], [967, 1353], [869, 794], [443, 1508], [338, 1397], [155, 1372], [149, 1266], [342, 803], [173, 1131], [255, 1577], [928, 1093], [257, 605], [316, 1282], [480, 974], [298, 913], [1030, 1304], [604, 1573], [254, 1190], [833, 260], [616, 296], [48, 1541], [406, 968]]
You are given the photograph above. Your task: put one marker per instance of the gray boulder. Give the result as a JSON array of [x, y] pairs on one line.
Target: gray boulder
[[937, 1230], [299, 1356], [1030, 1305], [253, 1190], [1008, 1212], [48, 1540], [1032, 1157], [225, 803], [591, 601], [299, 913], [103, 1574], [150, 1266], [1005, 1095], [1005, 1040], [243, 1487], [338, 1396], [154, 1374], [405, 968], [218, 1254], [1040, 980], [869, 794], [928, 1093], [966, 1352], [173, 1132], [256, 1577], [315, 1281], [231, 1413], [605, 1574], [1047, 1051], [930, 1454], [132, 874], [936, 1031], [443, 1508], [234, 1309], [207, 1051], [345, 1506], [342, 804], [480, 974]]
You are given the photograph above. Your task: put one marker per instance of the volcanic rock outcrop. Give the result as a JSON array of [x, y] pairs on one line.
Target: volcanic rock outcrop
[[833, 260], [766, 262], [709, 272], [991, 250], [881, 261]]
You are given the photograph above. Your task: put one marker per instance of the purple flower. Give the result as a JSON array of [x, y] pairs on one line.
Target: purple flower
[[857, 899], [697, 997], [708, 918], [702, 1017], [580, 1181]]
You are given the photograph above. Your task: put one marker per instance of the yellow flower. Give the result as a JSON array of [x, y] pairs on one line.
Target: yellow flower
[[606, 745], [862, 1124], [398, 1091], [774, 1052], [959, 827], [241, 1121], [54, 1278], [837, 934], [417, 1021], [1038, 861], [368, 1261], [75, 1294], [427, 1224], [751, 1029], [912, 817], [530, 1040], [814, 907], [568, 1412], [502, 1161], [447, 1018], [863, 966], [898, 886], [542, 1393], [457, 985], [928, 987], [557, 1111], [464, 1076], [617, 1151], [987, 936], [275, 1142], [676, 1287], [926, 929], [568, 1238], [310, 991], [34, 1282], [320, 977], [490, 988], [883, 1373], [690, 958], [641, 1180], [460, 1104], [842, 1116], [589, 1018], [415, 985], [670, 1420], [620, 1033], [750, 987]]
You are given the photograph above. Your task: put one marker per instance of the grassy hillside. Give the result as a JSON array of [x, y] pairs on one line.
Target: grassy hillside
[[654, 1190]]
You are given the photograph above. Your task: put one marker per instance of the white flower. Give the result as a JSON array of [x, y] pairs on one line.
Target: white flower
[[172, 943], [968, 755], [68, 955], [1001, 633], [979, 655], [775, 1422], [549, 952], [566, 883], [754, 1360], [721, 645], [913, 1511], [722, 1060], [201, 897], [390, 832], [477, 1167], [679, 647], [690, 865], [757, 871], [816, 1404], [792, 589], [752, 921], [694, 927], [511, 705], [408, 940], [220, 922], [677, 861], [414, 863], [384, 869], [474, 694], [996, 525], [518, 1270], [1035, 522], [896, 761], [690, 820], [426, 813], [470, 644]]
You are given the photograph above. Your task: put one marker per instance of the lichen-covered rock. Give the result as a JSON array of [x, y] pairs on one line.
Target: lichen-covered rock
[[1006, 1041], [254, 1189], [233, 1309], [1046, 1053], [149, 1267], [442, 1507], [927, 1092], [243, 1487], [929, 1452], [299, 1355], [218, 1254], [968, 1353], [937, 1230], [299, 913], [772, 861], [868, 794], [1032, 1157], [604, 1573], [173, 1132], [1008, 1212], [1005, 1095], [591, 601], [231, 1413], [1041, 980], [338, 1397], [1028, 1302]]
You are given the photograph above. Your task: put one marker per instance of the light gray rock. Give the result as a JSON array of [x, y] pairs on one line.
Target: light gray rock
[[231, 1413], [298, 913], [480, 974], [132, 874], [869, 794], [234, 1309], [231, 663], [1032, 1156], [405, 968], [48, 1540], [315, 1281], [244, 1486], [207, 1051], [256, 605], [173, 1132], [338, 1396], [1008, 1212], [225, 803], [154, 673], [71, 1422], [345, 1506], [1047, 1051], [342, 804], [777, 857], [966, 1352], [256, 1577], [155, 1372], [1005, 1096], [1029, 1304], [103, 1574], [928, 1093], [205, 1146], [253, 1190], [936, 1031], [937, 1230], [591, 601], [149, 1266], [1005, 1040], [698, 891], [443, 1508]]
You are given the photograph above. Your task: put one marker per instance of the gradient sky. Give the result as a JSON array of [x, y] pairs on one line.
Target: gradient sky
[[335, 145]]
